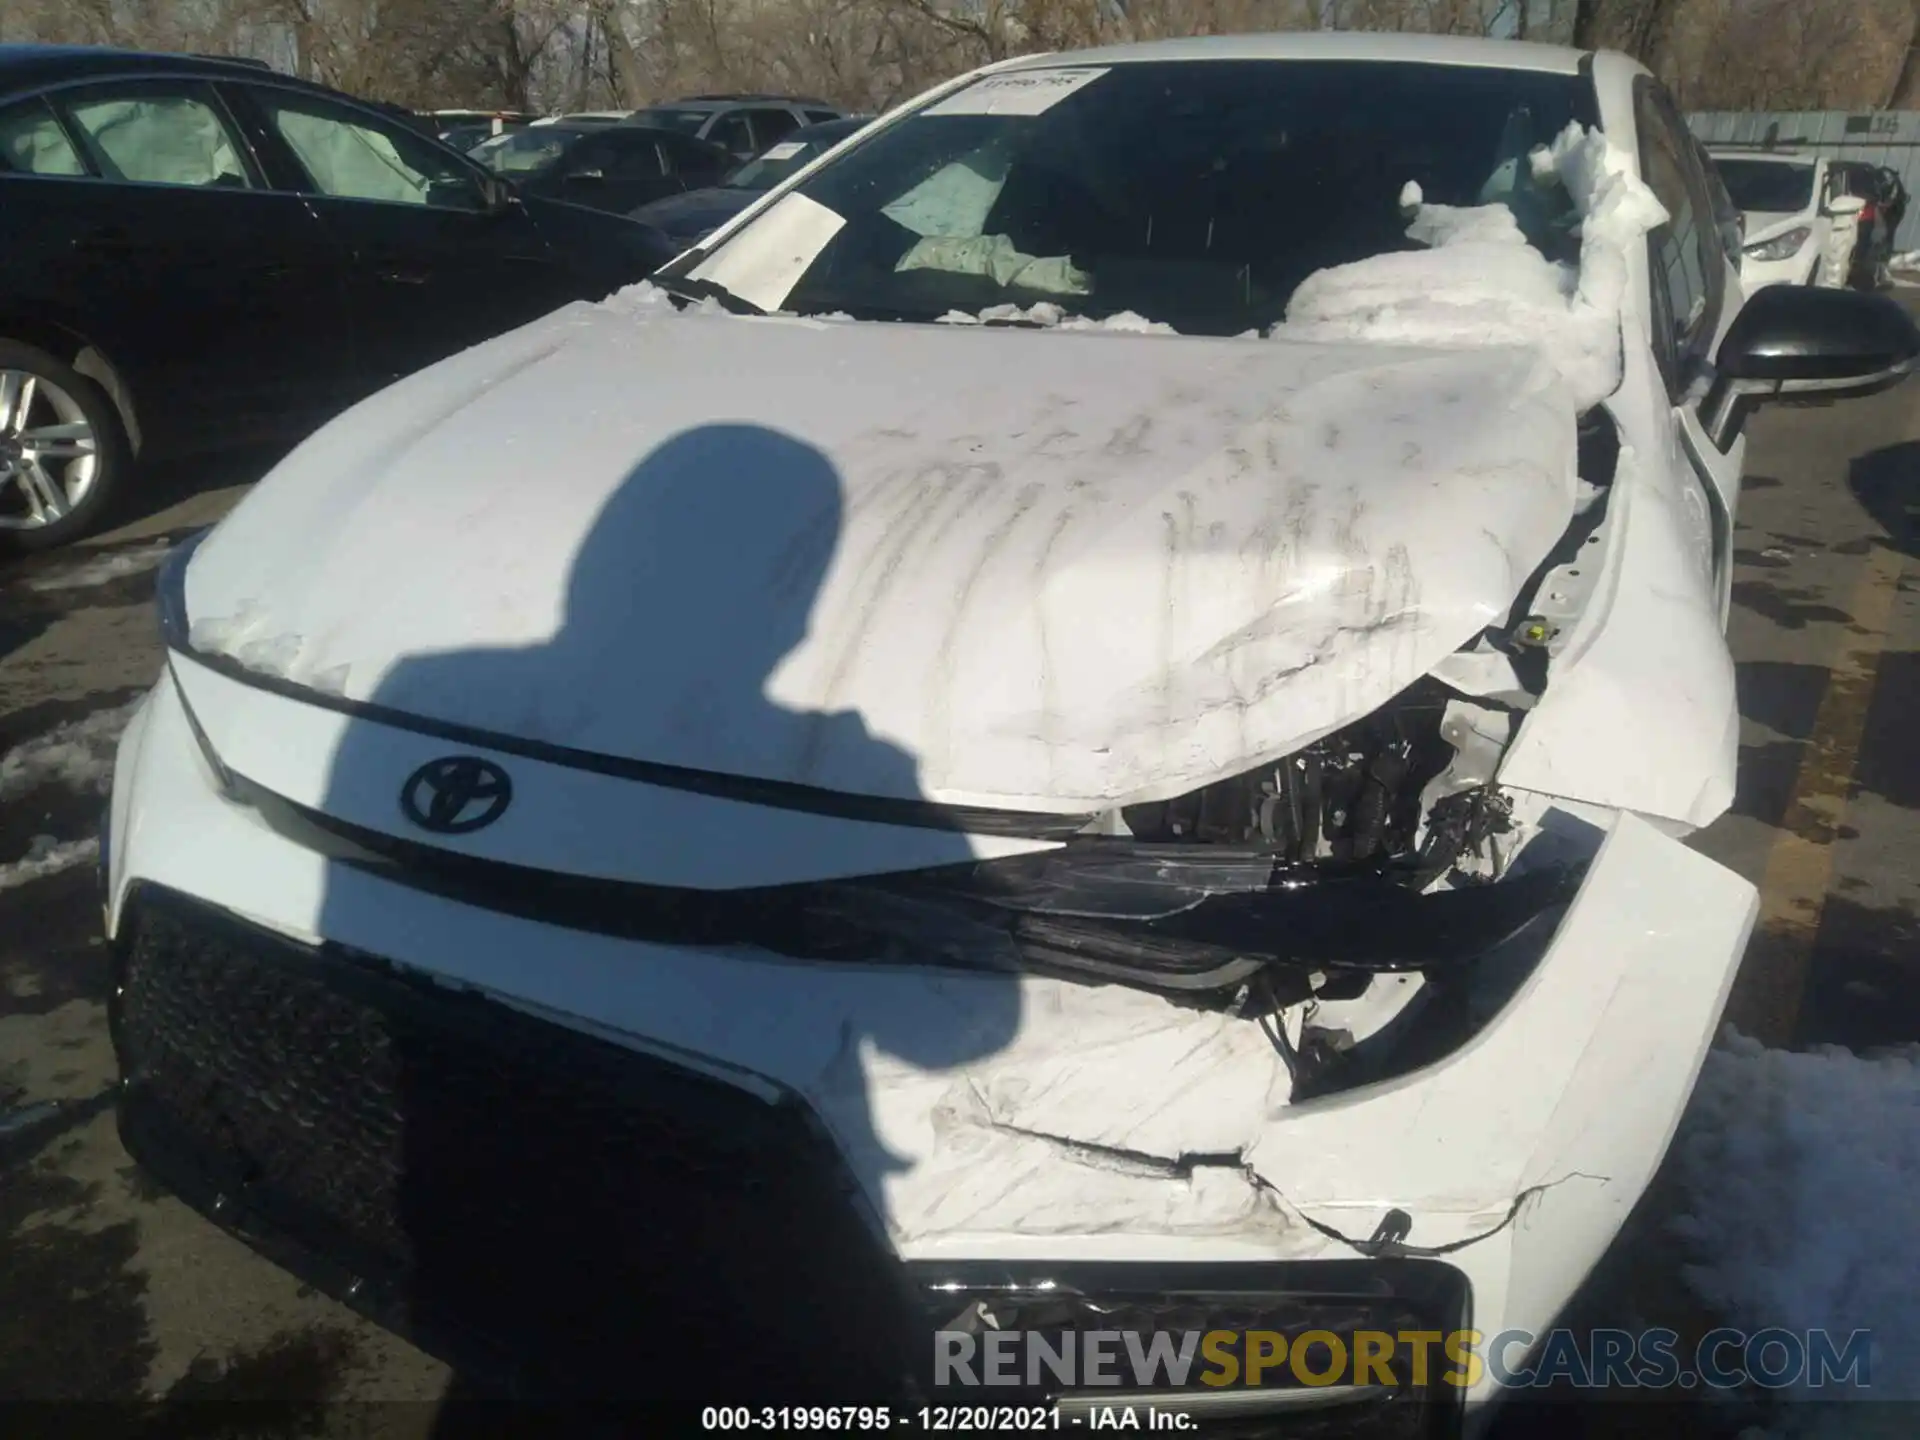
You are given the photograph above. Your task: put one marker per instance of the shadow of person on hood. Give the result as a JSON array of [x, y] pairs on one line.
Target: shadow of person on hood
[[574, 1215]]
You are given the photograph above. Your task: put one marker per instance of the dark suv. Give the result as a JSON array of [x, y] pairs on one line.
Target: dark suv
[[742, 125], [197, 253]]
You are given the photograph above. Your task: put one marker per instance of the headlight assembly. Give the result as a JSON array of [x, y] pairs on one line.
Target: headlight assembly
[[1780, 247]]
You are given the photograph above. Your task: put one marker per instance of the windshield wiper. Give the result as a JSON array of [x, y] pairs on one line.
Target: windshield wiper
[[688, 288]]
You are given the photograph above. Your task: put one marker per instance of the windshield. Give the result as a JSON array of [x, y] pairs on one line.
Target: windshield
[[1194, 193], [1767, 185], [777, 163], [524, 152], [687, 122]]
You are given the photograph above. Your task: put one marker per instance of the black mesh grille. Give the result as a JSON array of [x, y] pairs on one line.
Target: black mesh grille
[[518, 1196]]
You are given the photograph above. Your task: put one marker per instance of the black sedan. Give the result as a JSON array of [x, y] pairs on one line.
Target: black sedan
[[690, 218], [605, 167], [198, 253]]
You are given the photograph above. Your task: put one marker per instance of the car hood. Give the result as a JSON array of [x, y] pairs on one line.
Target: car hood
[[1765, 224], [1034, 570], [697, 211]]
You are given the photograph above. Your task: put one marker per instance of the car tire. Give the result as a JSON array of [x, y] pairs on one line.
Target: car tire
[[49, 446]]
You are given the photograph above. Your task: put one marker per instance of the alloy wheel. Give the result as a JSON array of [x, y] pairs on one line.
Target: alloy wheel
[[49, 453]]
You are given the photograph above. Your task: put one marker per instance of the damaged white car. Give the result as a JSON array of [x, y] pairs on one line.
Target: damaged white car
[[1080, 724]]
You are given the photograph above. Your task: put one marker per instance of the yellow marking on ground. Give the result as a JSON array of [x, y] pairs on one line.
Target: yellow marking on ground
[[1793, 890]]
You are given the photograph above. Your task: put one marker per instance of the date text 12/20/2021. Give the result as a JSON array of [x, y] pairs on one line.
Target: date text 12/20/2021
[[937, 1419]]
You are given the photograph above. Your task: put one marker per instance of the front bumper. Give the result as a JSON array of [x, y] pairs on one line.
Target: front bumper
[[1021, 1123]]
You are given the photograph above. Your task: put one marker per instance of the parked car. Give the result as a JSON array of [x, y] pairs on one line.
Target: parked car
[[585, 117], [1086, 723], [465, 133], [604, 167], [698, 213], [1792, 215], [442, 121], [743, 125], [196, 253]]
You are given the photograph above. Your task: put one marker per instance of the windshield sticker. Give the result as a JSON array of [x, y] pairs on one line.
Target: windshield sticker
[[1024, 92], [785, 150], [764, 261]]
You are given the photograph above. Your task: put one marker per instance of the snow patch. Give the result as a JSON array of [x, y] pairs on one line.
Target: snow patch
[[1802, 1177], [79, 753], [47, 856], [1905, 260], [1480, 283], [101, 569], [1050, 316], [244, 636]]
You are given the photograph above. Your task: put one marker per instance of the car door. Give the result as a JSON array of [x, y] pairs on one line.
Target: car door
[[157, 239], [617, 170], [440, 260], [1692, 302]]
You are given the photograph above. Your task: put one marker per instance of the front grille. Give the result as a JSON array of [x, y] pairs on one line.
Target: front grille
[[525, 1200]]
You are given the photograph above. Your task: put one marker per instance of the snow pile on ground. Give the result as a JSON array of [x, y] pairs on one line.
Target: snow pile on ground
[[1802, 1176], [47, 856], [79, 754], [102, 568], [1481, 283], [1047, 315]]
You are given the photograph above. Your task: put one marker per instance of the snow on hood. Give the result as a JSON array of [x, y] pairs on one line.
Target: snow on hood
[[1481, 283], [1009, 567]]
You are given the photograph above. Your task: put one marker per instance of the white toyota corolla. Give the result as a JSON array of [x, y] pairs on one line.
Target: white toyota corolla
[[1083, 723]]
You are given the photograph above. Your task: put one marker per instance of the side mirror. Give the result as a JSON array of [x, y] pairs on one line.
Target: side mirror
[[1846, 205], [1796, 343]]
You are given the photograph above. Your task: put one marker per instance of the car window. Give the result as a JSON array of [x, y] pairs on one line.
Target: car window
[[1775, 187], [772, 126], [32, 142], [820, 117], [777, 162], [158, 135], [1683, 250], [700, 162], [626, 155], [351, 156], [525, 152], [731, 132], [1196, 194], [664, 117]]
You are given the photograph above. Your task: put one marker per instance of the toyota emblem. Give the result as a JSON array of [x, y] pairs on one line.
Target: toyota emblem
[[456, 794]]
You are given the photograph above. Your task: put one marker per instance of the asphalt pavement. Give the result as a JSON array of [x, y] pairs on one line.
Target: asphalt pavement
[[112, 1292]]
